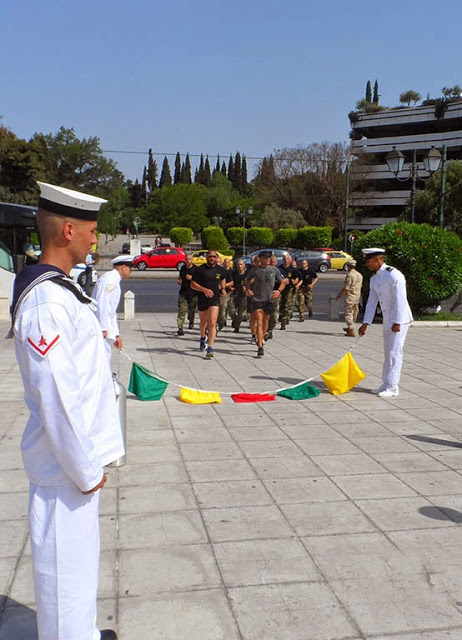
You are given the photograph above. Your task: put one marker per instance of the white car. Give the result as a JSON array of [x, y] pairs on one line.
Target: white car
[[78, 274], [146, 248]]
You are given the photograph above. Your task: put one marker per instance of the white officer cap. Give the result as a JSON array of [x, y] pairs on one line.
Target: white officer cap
[[67, 202], [372, 252], [351, 263], [122, 260]]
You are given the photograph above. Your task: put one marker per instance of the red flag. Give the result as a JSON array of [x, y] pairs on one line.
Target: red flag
[[253, 397]]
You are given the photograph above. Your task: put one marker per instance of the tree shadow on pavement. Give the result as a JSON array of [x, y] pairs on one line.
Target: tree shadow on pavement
[[17, 622], [441, 513], [445, 443]]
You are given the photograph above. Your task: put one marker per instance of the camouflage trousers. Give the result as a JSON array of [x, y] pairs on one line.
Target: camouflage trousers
[[223, 312], [287, 305], [351, 313], [186, 306], [237, 307], [274, 314], [305, 299]]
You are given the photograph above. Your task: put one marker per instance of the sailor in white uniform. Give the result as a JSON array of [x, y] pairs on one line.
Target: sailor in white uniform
[[107, 294], [388, 287], [73, 430]]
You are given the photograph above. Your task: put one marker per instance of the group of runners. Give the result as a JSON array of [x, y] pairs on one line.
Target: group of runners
[[264, 292]]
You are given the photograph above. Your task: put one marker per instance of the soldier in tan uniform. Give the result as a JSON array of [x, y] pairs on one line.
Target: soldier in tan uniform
[[352, 292]]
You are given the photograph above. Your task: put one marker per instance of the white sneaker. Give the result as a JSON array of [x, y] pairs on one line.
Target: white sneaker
[[388, 394]]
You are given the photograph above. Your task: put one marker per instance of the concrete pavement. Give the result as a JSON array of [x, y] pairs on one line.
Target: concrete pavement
[[326, 519]]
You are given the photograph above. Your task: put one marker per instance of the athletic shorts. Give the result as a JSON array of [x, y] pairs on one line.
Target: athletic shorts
[[210, 302], [267, 307]]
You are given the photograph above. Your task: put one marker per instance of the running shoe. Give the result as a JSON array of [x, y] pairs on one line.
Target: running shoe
[[180, 332], [191, 325], [202, 344], [209, 353], [253, 340], [260, 352]]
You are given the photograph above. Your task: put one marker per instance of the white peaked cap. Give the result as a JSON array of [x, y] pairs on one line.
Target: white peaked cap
[[67, 202], [122, 260], [371, 252]]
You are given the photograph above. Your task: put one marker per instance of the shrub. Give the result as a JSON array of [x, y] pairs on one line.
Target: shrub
[[214, 238], [234, 235], [285, 238], [309, 237], [181, 235], [260, 236], [429, 257]]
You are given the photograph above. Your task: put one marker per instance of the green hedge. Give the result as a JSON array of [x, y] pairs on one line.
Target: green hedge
[[429, 257], [310, 237], [214, 238], [234, 235], [181, 235], [285, 238], [259, 237]]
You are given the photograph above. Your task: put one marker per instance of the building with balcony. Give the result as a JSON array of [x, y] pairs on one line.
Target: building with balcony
[[373, 187]]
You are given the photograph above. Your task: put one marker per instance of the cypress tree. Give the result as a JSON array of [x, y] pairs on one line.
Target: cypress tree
[[244, 181], [143, 184], [199, 177], [165, 176], [186, 171], [368, 91], [231, 170], [207, 173], [152, 173], [223, 169], [178, 169], [375, 99], [237, 184]]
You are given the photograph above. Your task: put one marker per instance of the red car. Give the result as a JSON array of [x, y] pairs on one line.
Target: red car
[[161, 258]]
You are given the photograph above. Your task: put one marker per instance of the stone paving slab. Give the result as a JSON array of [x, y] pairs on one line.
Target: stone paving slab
[[333, 518]]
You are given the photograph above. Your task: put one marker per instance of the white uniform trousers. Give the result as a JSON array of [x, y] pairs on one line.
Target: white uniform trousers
[[64, 531], [393, 344], [108, 347]]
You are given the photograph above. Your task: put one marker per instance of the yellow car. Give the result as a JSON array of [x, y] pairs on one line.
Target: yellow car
[[339, 260], [199, 257]]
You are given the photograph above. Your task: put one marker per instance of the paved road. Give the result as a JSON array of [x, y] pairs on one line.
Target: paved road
[[160, 294]]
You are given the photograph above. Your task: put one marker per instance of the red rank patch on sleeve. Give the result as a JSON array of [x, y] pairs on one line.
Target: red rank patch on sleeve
[[44, 344]]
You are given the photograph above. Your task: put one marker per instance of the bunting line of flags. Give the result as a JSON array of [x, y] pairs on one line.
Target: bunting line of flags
[[343, 376]]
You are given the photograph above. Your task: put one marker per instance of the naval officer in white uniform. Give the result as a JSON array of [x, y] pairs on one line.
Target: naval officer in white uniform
[[388, 287], [107, 295], [73, 430]]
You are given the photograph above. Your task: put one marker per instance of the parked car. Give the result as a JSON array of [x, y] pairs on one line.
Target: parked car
[[126, 247], [279, 253], [161, 258], [339, 259], [78, 274], [199, 257], [317, 260], [146, 247]]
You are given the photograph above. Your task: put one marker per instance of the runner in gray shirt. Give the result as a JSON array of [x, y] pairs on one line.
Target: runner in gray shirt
[[260, 288]]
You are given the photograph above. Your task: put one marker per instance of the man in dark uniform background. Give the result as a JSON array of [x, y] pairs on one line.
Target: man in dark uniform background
[[187, 297], [291, 275], [304, 289]]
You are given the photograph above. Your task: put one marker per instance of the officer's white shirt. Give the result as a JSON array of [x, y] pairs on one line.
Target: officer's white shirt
[[74, 428], [107, 294], [388, 287]]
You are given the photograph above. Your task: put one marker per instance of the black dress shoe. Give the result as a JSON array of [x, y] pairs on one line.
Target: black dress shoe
[[108, 634]]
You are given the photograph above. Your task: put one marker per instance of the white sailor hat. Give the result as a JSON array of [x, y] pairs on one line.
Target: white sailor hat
[[67, 202], [122, 260], [372, 252], [351, 262]]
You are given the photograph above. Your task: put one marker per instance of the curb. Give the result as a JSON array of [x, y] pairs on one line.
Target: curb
[[437, 323]]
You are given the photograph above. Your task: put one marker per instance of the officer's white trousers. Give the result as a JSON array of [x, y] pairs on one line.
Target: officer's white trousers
[[393, 344], [64, 531]]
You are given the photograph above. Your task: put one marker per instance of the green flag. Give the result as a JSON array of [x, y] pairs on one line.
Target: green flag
[[145, 384], [302, 391]]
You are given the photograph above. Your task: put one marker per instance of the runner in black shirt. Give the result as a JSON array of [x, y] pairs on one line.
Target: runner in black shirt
[[238, 299], [187, 297], [210, 281], [308, 278], [291, 276]]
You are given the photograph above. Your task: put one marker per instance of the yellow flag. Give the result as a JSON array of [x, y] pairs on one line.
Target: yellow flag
[[194, 396], [343, 376]]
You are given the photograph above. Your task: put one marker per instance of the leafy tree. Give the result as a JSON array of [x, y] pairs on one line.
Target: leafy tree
[[277, 218], [310, 237], [375, 98], [214, 238], [429, 257], [427, 201], [152, 173], [409, 97], [222, 199], [285, 237], [363, 106], [234, 235], [181, 235], [368, 96], [181, 205], [110, 218], [144, 183], [177, 175], [165, 176], [260, 236], [137, 195]]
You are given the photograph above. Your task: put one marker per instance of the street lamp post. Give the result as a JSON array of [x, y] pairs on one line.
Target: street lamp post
[[244, 213], [431, 161]]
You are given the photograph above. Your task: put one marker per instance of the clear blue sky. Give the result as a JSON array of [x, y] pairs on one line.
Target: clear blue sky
[[212, 76]]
